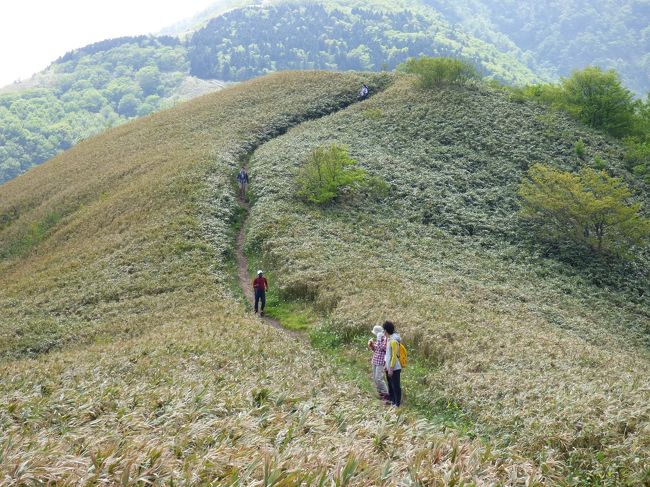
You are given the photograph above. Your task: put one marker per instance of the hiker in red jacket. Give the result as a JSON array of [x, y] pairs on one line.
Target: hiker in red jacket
[[260, 286]]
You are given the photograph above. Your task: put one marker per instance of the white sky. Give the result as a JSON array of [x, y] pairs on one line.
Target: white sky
[[33, 33]]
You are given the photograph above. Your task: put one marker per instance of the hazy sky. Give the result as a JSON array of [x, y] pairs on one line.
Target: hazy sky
[[33, 33]]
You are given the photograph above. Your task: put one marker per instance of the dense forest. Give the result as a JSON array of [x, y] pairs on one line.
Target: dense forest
[[557, 37], [252, 41], [85, 92]]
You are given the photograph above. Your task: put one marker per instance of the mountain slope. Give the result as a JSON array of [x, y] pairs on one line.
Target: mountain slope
[[558, 37], [87, 91], [108, 82], [256, 40], [156, 373], [545, 356]]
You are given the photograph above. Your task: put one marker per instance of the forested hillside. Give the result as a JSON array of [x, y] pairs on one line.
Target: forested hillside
[[253, 41], [87, 91], [555, 37], [104, 84]]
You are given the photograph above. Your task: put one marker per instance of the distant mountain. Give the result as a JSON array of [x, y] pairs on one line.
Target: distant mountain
[[256, 40], [554, 37], [106, 83]]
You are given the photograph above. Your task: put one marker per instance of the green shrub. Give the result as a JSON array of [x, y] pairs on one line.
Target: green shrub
[[329, 173], [636, 153], [579, 148], [436, 72], [599, 163], [590, 208], [598, 99]]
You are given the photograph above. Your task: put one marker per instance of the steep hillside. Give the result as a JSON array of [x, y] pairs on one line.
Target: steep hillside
[[106, 83], [87, 91], [120, 268], [340, 35], [549, 358], [558, 37]]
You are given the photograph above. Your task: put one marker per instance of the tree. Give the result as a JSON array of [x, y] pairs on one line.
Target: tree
[[590, 208], [330, 173], [598, 99], [435, 72], [128, 105], [149, 79]]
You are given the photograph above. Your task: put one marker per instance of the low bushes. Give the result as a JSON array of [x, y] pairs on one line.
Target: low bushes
[[436, 72], [330, 173]]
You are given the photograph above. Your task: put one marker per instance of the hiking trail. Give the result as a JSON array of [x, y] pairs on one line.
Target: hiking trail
[[245, 280]]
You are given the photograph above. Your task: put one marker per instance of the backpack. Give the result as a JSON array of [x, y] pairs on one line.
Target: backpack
[[401, 354]]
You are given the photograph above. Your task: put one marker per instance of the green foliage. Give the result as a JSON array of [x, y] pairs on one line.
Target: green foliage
[[330, 35], [599, 163], [437, 72], [598, 99], [149, 79], [579, 148], [85, 92], [590, 208], [556, 36], [329, 173]]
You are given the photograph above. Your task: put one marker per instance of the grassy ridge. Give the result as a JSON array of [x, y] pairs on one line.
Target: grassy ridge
[[540, 356], [119, 257], [180, 384]]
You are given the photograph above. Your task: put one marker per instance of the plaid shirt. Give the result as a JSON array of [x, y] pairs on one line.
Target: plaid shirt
[[379, 355]]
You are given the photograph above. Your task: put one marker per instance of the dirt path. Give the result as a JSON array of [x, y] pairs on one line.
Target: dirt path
[[245, 280]]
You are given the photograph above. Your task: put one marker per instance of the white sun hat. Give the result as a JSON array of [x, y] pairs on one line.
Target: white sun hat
[[377, 330], [259, 272]]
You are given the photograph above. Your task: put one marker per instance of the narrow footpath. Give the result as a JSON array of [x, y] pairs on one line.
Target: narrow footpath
[[245, 280]]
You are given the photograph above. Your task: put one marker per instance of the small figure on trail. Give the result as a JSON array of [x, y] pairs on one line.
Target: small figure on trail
[[378, 347], [260, 286], [363, 92], [392, 363], [242, 179]]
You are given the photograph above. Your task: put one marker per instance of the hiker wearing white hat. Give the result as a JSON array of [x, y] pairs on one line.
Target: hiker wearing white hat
[[260, 286], [378, 347]]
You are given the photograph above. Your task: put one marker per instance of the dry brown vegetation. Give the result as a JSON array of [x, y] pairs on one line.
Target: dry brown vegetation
[[114, 260], [533, 352]]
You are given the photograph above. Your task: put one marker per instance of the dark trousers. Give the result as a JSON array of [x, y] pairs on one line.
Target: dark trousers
[[394, 387], [260, 296]]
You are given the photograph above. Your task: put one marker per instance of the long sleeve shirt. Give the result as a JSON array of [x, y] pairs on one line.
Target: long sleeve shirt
[[392, 352], [260, 284]]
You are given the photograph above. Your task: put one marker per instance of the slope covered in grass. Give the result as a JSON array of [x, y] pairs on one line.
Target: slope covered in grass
[[116, 260], [547, 358], [91, 242]]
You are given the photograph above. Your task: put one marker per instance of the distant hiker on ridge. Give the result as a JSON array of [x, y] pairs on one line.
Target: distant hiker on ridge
[[260, 286], [242, 179], [363, 92], [378, 348]]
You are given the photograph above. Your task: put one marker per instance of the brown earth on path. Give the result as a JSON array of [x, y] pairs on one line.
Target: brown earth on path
[[245, 280]]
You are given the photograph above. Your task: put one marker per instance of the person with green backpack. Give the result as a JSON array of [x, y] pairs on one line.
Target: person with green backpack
[[395, 361]]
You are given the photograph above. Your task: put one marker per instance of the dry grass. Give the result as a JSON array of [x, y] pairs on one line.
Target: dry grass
[[543, 360], [154, 373]]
